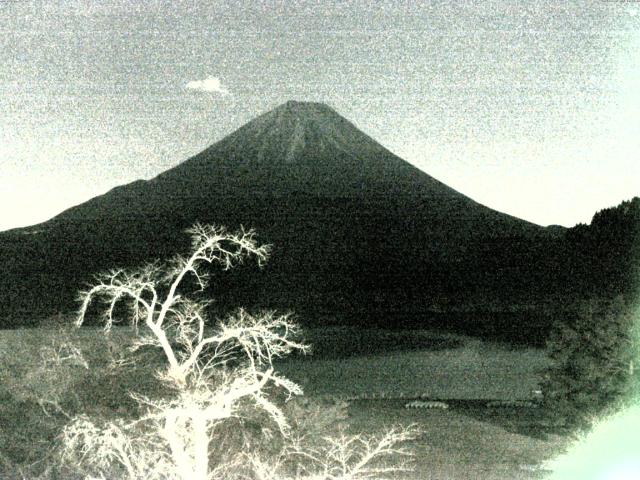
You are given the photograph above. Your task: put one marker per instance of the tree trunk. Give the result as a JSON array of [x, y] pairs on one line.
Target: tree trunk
[[200, 438]]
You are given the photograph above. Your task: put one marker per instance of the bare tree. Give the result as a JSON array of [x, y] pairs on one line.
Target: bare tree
[[217, 373]]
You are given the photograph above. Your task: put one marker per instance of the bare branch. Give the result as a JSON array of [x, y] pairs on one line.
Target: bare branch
[[216, 373]]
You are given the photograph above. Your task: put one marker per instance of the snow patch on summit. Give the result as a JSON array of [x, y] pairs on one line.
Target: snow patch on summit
[[297, 142]]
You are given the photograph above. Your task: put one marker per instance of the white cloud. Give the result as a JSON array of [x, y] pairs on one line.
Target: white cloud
[[210, 84]]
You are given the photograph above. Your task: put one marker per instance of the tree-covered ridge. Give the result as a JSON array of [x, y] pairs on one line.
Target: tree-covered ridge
[[606, 253]]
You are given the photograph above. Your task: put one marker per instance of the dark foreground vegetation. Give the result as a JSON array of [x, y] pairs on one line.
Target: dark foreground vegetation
[[495, 426], [38, 398]]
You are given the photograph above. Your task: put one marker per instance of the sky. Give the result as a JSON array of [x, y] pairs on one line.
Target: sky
[[530, 108]]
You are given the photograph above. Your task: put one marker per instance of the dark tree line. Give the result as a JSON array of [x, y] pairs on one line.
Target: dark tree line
[[605, 255]]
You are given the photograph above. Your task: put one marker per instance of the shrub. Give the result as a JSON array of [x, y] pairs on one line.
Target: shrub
[[593, 351]]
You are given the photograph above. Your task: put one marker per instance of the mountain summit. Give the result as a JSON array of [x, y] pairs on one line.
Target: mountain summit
[[304, 147], [297, 132], [354, 227]]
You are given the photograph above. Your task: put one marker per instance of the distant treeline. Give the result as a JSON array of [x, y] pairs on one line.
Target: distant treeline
[[604, 257]]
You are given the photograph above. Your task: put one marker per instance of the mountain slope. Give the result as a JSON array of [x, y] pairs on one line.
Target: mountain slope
[[354, 227]]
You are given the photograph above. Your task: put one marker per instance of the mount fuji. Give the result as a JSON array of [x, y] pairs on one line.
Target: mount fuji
[[356, 231]]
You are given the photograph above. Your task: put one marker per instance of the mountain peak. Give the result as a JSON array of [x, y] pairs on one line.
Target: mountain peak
[[294, 109], [297, 105], [306, 147]]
